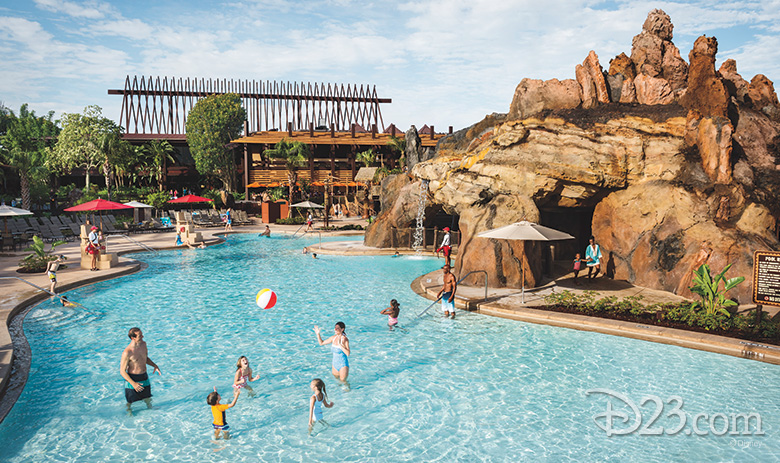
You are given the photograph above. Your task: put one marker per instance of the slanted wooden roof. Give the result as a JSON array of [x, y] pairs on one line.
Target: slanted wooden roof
[[324, 138], [366, 174]]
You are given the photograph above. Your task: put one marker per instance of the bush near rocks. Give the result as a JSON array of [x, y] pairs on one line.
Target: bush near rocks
[[686, 316]]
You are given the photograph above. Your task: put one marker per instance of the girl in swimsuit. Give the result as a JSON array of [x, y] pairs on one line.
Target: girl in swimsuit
[[340, 349], [243, 376], [392, 313], [317, 400]]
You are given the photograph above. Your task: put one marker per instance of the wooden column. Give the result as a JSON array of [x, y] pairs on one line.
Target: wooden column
[[352, 156], [246, 162], [311, 163], [333, 160]]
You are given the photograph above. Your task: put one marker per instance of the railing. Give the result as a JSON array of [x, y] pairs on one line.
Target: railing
[[31, 284], [458, 282], [148, 248]]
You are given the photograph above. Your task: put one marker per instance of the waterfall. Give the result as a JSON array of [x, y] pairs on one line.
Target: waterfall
[[419, 232]]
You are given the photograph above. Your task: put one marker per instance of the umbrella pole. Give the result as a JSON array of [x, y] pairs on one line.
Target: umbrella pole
[[522, 266]]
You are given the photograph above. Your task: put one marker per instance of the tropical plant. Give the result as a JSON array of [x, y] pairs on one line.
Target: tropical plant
[[211, 125], [23, 147], [89, 141], [713, 299], [40, 257], [114, 152], [366, 157], [398, 145], [275, 194], [157, 199], [294, 154], [160, 153]]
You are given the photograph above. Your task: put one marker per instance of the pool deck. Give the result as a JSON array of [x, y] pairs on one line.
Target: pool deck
[[510, 303], [15, 295]]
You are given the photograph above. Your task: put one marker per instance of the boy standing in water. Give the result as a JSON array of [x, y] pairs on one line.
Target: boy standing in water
[[218, 412], [447, 293]]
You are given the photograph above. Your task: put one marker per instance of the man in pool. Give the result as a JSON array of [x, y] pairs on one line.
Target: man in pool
[[267, 232], [447, 292], [133, 369]]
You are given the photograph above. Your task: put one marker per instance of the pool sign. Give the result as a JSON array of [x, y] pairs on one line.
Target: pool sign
[[766, 278]]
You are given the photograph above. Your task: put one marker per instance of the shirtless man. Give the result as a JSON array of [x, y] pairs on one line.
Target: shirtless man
[[133, 369], [267, 232], [447, 293]]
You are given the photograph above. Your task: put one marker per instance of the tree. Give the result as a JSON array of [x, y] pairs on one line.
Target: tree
[[366, 157], [398, 145], [83, 142], [115, 152], [294, 154], [24, 146], [211, 125], [160, 152]]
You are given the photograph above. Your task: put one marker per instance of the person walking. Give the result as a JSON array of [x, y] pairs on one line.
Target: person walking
[[445, 247], [593, 257]]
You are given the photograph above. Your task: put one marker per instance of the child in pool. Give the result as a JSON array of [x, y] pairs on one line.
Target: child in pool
[[218, 412], [392, 313], [317, 400], [577, 267], [243, 376]]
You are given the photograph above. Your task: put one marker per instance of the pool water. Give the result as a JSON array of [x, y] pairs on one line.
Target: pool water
[[472, 389]]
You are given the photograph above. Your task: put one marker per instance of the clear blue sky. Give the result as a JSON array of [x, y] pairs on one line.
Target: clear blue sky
[[442, 62]]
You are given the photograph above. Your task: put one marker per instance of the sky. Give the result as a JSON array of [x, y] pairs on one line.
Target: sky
[[442, 62]]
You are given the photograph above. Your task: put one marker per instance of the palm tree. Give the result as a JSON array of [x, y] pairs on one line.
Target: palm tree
[[23, 147], [398, 145], [366, 157], [161, 152], [115, 152], [294, 154]]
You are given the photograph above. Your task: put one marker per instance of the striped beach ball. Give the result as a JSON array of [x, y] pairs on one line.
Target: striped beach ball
[[266, 299]]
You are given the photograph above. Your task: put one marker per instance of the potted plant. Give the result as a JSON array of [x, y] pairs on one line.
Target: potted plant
[[40, 257]]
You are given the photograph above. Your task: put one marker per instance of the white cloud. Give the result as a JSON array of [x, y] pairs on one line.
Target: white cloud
[[87, 10]]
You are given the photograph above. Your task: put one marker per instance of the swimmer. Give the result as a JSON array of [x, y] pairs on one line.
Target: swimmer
[[66, 303], [305, 250], [397, 254], [267, 232], [317, 400], [392, 313], [340, 349], [243, 376], [314, 255], [218, 412]]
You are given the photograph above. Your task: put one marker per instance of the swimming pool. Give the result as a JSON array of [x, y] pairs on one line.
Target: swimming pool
[[473, 389]]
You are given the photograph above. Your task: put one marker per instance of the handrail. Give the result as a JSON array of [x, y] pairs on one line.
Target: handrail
[[148, 248], [458, 282], [296, 232], [31, 284], [486, 279]]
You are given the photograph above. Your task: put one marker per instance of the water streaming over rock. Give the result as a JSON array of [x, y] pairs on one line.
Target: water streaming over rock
[[419, 232]]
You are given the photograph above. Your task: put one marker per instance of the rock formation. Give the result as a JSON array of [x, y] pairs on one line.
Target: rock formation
[[670, 165]]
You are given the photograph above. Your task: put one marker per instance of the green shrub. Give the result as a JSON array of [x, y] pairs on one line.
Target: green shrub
[[291, 221], [157, 199], [40, 257], [713, 299]]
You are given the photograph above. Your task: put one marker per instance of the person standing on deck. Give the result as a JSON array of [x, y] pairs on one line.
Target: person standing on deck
[[445, 247]]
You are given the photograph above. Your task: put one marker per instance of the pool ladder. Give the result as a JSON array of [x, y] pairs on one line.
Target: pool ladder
[[458, 282]]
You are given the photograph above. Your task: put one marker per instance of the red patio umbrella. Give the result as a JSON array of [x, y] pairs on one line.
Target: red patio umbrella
[[98, 205], [191, 199]]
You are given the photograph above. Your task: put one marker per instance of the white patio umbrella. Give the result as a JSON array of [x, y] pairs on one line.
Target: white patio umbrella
[[308, 205], [525, 231], [138, 205], [8, 211]]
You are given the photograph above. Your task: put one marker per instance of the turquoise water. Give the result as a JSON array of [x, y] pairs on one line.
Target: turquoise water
[[473, 389]]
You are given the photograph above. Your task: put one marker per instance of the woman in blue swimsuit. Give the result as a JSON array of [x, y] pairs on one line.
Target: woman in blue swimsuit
[[339, 346]]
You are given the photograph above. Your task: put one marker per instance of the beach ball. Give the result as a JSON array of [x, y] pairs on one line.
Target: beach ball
[[266, 298]]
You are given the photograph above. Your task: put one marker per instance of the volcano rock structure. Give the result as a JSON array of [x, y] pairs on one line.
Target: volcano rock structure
[[675, 164]]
